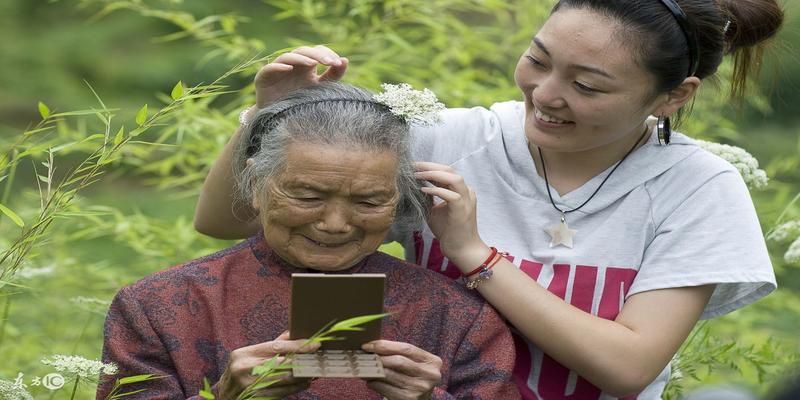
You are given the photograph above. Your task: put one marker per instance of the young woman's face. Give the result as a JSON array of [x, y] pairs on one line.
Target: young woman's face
[[583, 87], [331, 206]]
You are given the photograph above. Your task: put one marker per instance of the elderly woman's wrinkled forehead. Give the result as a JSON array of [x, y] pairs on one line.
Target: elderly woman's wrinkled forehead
[[338, 170]]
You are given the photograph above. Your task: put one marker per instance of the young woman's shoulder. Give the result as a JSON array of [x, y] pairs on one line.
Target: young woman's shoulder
[[697, 168], [462, 131]]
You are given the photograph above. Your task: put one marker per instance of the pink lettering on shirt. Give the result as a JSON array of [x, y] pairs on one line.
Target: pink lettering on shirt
[[553, 381]]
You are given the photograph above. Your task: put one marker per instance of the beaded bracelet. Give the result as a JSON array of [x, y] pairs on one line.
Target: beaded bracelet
[[486, 272]]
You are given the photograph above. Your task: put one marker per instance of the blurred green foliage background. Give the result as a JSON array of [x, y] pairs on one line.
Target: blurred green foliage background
[[134, 216]]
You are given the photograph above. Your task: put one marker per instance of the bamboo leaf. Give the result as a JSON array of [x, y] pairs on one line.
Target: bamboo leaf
[[177, 91], [205, 392], [44, 111], [9, 283], [62, 146], [34, 131], [11, 214], [266, 366], [141, 116], [265, 384], [120, 135], [137, 378], [83, 112], [321, 339], [352, 324]]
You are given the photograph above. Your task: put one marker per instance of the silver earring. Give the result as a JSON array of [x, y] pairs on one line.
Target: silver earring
[[664, 130]]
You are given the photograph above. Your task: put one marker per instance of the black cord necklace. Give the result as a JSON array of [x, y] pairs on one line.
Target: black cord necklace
[[561, 234]]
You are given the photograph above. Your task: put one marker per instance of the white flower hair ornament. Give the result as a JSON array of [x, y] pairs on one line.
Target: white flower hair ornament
[[419, 107]]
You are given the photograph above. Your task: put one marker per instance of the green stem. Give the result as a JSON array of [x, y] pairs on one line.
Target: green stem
[[6, 311], [10, 179], [75, 387]]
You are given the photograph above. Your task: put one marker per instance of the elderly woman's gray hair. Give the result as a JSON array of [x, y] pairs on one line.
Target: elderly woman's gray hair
[[334, 114]]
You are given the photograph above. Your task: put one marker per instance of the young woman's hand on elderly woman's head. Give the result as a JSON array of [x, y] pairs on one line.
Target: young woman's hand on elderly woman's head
[[411, 373], [295, 70], [238, 374]]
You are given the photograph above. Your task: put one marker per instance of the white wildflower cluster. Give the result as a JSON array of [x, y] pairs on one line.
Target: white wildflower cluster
[[747, 165], [792, 255], [13, 391], [785, 232], [414, 106], [79, 366]]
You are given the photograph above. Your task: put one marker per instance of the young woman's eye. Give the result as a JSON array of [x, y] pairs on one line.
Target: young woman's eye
[[585, 88]]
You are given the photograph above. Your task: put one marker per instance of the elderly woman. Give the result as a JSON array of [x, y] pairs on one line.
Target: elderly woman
[[328, 169]]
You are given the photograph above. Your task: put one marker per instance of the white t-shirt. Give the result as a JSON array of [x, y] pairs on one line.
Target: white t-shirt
[[670, 216]]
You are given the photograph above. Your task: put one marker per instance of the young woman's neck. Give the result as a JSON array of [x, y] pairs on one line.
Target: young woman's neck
[[567, 171]]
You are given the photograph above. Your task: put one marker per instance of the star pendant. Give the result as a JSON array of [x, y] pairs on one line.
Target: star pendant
[[560, 234]]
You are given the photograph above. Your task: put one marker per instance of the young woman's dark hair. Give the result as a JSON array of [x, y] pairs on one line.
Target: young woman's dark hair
[[722, 27]]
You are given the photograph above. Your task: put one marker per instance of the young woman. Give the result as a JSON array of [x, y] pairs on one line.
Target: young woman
[[617, 242]]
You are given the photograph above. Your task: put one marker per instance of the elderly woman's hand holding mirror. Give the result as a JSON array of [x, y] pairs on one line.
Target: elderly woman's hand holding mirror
[[238, 374]]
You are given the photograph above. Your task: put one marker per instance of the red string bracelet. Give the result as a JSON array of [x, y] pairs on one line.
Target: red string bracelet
[[483, 264]]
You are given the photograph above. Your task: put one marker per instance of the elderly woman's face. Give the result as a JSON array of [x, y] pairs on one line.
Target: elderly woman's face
[[331, 207]]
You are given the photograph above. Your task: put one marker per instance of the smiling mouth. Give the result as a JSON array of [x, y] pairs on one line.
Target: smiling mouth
[[549, 118], [326, 245]]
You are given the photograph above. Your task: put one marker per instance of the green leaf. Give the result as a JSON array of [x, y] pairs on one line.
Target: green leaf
[[136, 378], [84, 112], [120, 135], [63, 146], [265, 367], [177, 91], [352, 324], [11, 214], [262, 385], [141, 116], [44, 111], [9, 283], [205, 392]]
